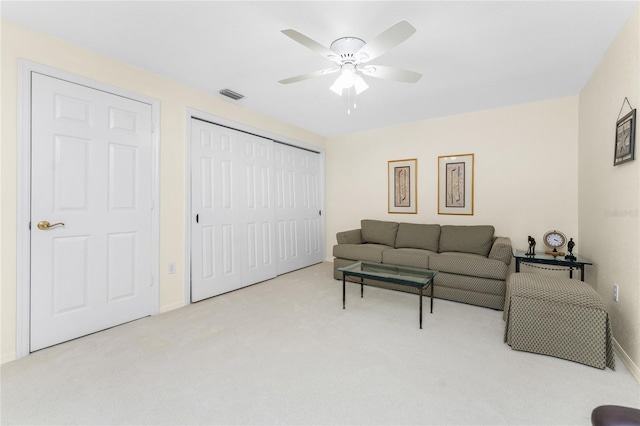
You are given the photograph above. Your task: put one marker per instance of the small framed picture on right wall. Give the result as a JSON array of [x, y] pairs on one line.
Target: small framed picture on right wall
[[455, 184], [625, 139]]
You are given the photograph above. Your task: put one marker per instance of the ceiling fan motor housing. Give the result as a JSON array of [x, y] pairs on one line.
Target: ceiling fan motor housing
[[346, 48]]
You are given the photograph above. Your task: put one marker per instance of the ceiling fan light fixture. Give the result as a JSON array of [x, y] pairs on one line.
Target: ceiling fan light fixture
[[336, 87], [360, 85], [348, 77]]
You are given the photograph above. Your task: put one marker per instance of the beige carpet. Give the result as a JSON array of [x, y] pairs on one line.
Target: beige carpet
[[284, 352]]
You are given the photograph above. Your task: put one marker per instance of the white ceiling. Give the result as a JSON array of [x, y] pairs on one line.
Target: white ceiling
[[473, 55]]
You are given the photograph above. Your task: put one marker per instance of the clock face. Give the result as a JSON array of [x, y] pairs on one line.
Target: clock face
[[555, 239]]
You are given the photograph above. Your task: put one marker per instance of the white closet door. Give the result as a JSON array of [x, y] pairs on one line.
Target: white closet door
[[259, 256], [91, 170], [255, 209], [216, 237], [298, 203]]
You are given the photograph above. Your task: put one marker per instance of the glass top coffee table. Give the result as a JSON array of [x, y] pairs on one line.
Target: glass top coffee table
[[403, 275]]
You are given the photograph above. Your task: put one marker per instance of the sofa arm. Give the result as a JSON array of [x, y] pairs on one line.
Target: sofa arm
[[501, 250], [349, 237]]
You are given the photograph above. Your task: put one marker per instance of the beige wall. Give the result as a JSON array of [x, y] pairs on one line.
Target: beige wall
[[526, 170], [609, 196], [20, 42]]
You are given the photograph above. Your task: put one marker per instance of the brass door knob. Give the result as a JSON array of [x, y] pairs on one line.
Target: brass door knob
[[44, 225]]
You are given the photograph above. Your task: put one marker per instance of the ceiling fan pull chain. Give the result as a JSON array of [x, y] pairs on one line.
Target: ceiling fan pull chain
[[355, 95]]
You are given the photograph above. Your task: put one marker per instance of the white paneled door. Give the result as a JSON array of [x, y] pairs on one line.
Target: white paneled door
[[91, 268], [216, 264], [255, 207], [258, 219], [298, 208], [232, 242]]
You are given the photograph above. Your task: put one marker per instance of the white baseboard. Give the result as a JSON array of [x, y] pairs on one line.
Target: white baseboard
[[171, 307], [8, 357], [628, 362]]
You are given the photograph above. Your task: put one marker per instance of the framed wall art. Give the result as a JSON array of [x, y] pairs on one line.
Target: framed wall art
[[402, 186], [625, 139], [455, 184]]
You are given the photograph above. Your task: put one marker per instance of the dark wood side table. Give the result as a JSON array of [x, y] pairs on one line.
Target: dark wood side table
[[547, 259]]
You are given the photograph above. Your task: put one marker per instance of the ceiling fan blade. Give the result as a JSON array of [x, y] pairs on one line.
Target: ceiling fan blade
[[391, 73], [308, 75], [311, 44], [385, 41]]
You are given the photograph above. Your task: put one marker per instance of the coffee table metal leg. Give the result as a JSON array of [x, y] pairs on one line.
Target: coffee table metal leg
[[343, 290], [431, 296], [361, 287], [420, 308]]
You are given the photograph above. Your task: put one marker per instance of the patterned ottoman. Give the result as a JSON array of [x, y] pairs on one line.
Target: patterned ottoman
[[559, 317]]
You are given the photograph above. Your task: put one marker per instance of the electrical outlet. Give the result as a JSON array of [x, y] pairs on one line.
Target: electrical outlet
[[172, 268], [615, 292]]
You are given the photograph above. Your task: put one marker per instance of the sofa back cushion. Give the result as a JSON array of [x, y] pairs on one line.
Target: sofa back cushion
[[379, 232], [466, 239], [421, 236]]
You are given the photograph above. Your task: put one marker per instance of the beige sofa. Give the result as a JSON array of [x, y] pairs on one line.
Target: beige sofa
[[472, 263]]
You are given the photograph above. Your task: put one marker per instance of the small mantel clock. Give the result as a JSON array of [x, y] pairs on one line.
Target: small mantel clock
[[555, 240]]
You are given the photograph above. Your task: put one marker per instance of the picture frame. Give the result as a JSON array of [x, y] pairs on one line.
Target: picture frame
[[625, 140], [403, 188], [455, 184]]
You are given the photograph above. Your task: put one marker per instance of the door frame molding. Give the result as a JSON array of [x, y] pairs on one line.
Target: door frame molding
[[220, 121], [23, 252]]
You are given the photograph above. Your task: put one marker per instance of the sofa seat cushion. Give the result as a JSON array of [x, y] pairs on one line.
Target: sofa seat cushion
[[473, 297], [379, 232], [420, 236], [414, 258], [365, 252], [472, 265], [472, 284], [476, 239]]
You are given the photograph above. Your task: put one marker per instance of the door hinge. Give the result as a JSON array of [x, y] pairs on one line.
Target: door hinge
[[29, 226], [320, 212]]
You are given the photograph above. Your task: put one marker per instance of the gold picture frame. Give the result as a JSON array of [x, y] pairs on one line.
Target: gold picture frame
[[455, 184], [403, 188]]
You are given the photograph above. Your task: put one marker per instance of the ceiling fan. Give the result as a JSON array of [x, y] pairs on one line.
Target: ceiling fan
[[351, 54]]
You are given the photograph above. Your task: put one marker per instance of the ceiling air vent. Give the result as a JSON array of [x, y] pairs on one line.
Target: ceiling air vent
[[231, 94]]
